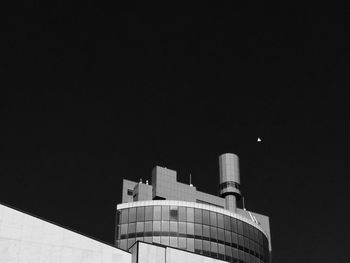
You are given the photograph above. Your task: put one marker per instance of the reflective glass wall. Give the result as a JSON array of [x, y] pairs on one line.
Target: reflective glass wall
[[195, 230]]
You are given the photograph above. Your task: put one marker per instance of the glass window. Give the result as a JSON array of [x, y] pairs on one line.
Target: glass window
[[206, 232], [246, 244], [213, 233], [165, 212], [123, 244], [173, 241], [124, 231], [148, 228], [190, 244], [198, 216], [156, 228], [140, 211], [198, 245], [190, 214], [206, 246], [221, 235], [206, 218], [182, 213], [214, 249], [251, 232], [260, 235], [234, 224], [228, 253], [190, 229], [220, 220], [256, 235], [157, 213], [139, 229], [131, 230], [132, 215], [213, 220], [245, 229], [173, 228], [198, 230], [182, 242], [228, 237], [240, 242], [227, 223], [235, 253], [165, 228], [251, 246], [174, 215], [239, 227], [156, 240], [131, 241], [234, 238], [221, 251], [164, 240], [124, 216], [182, 229], [148, 213]]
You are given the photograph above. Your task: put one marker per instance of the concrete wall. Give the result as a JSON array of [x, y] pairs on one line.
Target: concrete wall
[[26, 239]]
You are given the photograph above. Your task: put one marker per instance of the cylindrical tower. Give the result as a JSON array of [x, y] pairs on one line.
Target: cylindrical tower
[[229, 180]]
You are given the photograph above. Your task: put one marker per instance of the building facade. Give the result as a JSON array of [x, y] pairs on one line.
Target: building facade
[[177, 215]]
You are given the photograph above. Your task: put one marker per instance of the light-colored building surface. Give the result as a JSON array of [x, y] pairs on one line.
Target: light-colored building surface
[[27, 239]]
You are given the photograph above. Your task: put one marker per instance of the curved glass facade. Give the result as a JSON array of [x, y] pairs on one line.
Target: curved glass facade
[[193, 229]]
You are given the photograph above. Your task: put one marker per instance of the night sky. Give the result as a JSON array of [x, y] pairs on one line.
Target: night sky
[[94, 92]]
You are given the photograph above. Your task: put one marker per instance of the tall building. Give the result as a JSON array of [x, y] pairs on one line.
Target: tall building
[[174, 216]]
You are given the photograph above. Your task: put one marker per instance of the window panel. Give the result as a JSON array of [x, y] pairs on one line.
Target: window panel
[[198, 245], [156, 228], [123, 244], [182, 229], [245, 229], [124, 216], [140, 212], [227, 223], [182, 242], [124, 231], [148, 213], [131, 230], [213, 233], [164, 240], [239, 227], [213, 220], [190, 229], [157, 212], [148, 228], [174, 215], [234, 224], [221, 251], [228, 253], [198, 216], [156, 240], [190, 244], [235, 253], [173, 242], [240, 242], [190, 214], [148, 239], [198, 230], [214, 249], [132, 215], [173, 228], [228, 237], [220, 219], [165, 228], [206, 232], [221, 235], [165, 212], [139, 229], [234, 238], [206, 247], [206, 217], [182, 213]]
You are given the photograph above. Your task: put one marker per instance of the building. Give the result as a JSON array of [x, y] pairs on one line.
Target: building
[[166, 222], [177, 217]]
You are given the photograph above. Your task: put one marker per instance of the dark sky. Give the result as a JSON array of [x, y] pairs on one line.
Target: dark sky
[[94, 92]]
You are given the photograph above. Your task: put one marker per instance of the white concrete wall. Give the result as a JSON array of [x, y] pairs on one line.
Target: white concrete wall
[[26, 239]]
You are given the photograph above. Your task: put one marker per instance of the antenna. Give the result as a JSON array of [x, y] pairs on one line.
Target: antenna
[[243, 202], [191, 180]]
